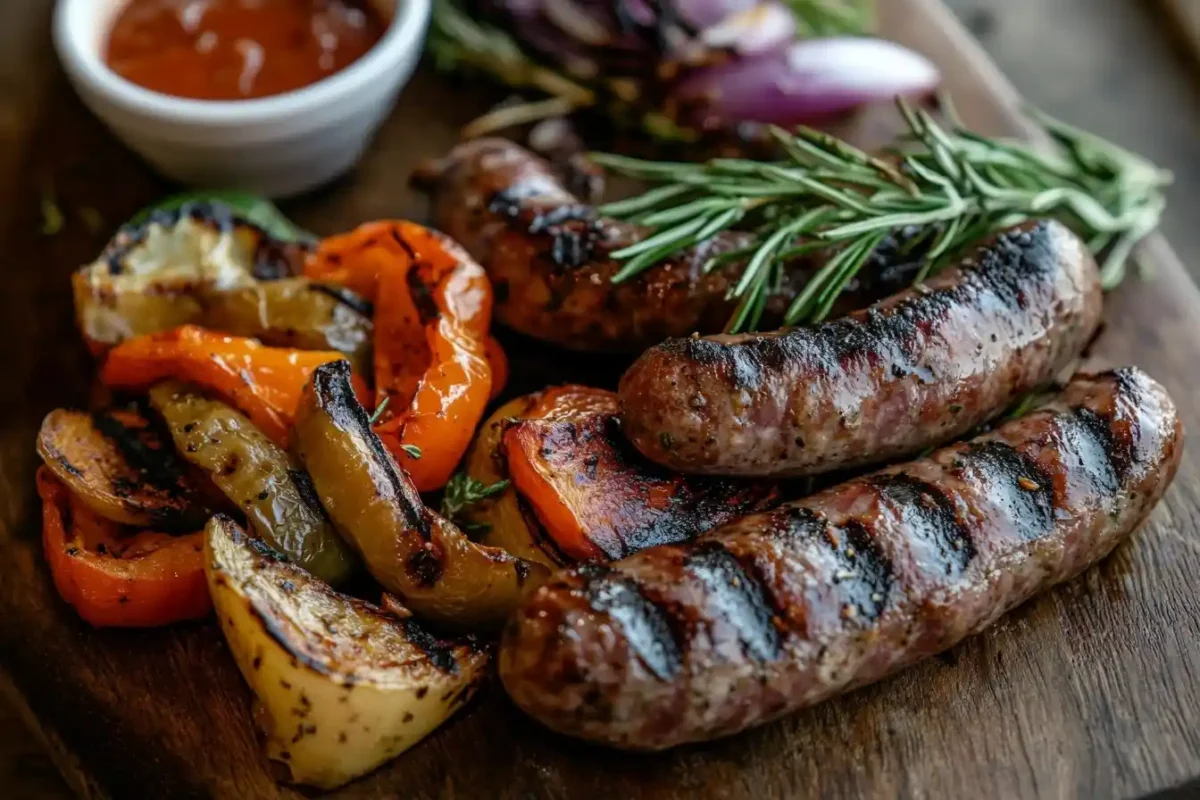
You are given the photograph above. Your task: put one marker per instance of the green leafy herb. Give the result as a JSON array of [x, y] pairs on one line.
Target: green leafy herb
[[379, 409], [412, 450], [1029, 402], [251, 208], [463, 491], [828, 196]]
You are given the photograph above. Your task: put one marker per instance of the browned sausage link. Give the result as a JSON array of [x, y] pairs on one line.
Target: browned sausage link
[[548, 256], [783, 609], [918, 369]]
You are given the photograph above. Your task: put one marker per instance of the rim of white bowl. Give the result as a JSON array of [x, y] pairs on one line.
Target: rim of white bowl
[[81, 57]]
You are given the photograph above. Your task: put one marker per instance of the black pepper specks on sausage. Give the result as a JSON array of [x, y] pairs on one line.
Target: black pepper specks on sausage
[[786, 608], [885, 382]]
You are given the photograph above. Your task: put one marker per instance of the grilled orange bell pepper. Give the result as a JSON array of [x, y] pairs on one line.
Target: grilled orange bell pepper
[[115, 579], [263, 382], [595, 496], [433, 308]]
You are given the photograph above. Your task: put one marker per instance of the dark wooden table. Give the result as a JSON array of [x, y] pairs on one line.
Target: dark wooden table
[[1099, 63], [1113, 67]]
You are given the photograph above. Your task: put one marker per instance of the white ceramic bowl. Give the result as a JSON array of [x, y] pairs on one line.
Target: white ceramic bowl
[[276, 146]]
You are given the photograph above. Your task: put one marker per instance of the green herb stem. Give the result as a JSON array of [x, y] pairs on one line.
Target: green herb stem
[[462, 492], [830, 197]]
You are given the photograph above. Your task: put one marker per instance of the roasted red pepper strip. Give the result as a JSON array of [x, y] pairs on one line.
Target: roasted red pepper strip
[[433, 308], [114, 579], [262, 382]]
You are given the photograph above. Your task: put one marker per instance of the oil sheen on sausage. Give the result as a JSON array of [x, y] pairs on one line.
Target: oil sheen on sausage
[[917, 369], [549, 258], [783, 609]]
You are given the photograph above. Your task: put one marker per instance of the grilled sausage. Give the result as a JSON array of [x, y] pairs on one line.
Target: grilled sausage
[[915, 370], [548, 256], [783, 609]]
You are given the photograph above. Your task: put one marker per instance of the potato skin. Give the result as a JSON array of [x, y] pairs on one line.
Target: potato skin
[[340, 686]]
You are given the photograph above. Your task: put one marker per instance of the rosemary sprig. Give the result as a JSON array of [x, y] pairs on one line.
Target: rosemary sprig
[[827, 195], [463, 491]]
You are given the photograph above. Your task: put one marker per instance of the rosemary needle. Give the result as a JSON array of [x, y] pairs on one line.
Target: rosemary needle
[[955, 185]]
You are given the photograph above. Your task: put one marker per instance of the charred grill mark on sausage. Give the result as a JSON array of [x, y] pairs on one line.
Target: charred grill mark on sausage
[[645, 625], [737, 596], [572, 228], [1015, 483], [859, 574], [926, 511]]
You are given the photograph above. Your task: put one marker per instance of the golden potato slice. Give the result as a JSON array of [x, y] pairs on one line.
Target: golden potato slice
[[340, 686]]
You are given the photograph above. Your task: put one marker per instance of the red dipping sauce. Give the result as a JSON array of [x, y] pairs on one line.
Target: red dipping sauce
[[238, 49]]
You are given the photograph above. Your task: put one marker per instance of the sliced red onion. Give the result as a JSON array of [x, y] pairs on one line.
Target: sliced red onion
[[810, 80]]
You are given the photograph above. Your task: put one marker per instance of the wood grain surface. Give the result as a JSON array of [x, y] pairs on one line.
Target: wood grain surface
[[1109, 66], [1091, 691]]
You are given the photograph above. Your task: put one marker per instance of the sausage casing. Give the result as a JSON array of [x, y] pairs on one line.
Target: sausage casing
[[917, 369]]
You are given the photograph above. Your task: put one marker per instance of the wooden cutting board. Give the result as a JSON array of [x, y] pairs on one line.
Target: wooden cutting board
[[1091, 691]]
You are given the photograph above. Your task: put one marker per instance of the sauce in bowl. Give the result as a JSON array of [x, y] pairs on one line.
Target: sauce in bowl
[[238, 49]]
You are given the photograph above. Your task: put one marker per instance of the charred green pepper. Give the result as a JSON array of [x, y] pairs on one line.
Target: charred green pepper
[[416, 554], [295, 312], [264, 481]]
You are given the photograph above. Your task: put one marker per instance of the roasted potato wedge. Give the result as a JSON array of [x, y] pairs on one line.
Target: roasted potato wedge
[[198, 264], [340, 686], [416, 554], [580, 491], [119, 467], [266, 483]]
